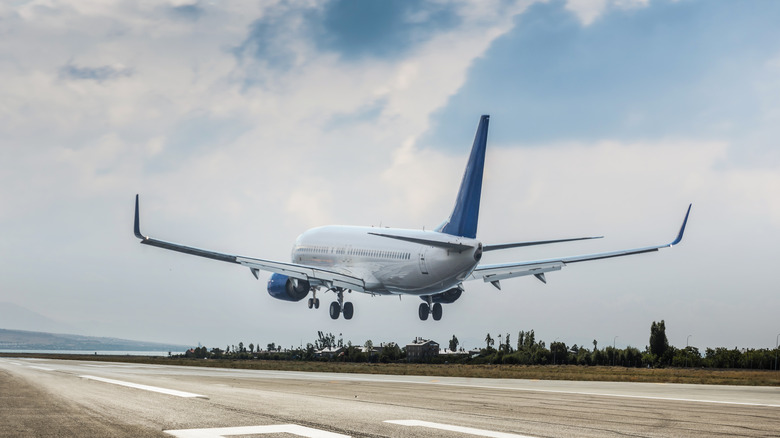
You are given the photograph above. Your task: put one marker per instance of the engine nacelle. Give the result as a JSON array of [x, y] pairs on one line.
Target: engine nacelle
[[446, 297], [285, 288]]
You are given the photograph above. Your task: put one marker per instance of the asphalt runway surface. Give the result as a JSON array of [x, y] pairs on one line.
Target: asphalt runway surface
[[56, 398]]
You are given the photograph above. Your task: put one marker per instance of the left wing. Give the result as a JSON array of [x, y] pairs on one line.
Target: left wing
[[314, 275], [537, 268]]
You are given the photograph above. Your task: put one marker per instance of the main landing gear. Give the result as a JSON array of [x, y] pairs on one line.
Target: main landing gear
[[429, 308], [339, 307]]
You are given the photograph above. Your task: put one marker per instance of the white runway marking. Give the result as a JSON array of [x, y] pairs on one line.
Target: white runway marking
[[146, 387], [40, 368], [292, 429], [460, 429], [549, 391]]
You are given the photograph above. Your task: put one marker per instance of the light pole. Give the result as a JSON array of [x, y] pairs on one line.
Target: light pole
[[686, 350], [613, 350]]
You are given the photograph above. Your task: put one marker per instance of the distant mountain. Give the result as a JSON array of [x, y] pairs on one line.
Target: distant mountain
[[15, 317], [27, 340]]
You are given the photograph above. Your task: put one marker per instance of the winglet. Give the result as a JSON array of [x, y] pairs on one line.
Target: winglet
[[682, 228], [137, 226]]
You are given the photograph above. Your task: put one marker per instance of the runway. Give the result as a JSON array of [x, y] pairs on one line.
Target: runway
[[42, 398]]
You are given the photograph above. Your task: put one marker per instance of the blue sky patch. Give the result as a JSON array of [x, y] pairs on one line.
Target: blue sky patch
[[187, 12], [99, 74], [358, 28], [672, 68]]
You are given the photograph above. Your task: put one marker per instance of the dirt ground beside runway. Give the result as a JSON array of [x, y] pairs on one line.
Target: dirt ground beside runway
[[29, 411]]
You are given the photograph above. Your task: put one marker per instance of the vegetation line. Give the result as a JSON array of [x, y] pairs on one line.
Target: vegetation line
[[502, 371], [658, 363]]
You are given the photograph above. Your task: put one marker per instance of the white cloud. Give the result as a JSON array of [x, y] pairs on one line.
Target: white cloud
[[245, 169], [587, 11], [83, 143]]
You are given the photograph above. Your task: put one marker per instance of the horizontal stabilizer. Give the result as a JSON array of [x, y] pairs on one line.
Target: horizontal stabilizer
[[538, 242], [453, 246]]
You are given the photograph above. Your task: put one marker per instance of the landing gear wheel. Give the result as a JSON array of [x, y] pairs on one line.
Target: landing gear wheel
[[316, 303], [437, 312], [423, 311], [335, 310], [311, 303], [349, 310]]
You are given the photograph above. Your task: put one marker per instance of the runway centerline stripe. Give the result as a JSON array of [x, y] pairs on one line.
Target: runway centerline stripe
[[219, 432], [551, 391], [40, 368], [145, 387], [460, 429]]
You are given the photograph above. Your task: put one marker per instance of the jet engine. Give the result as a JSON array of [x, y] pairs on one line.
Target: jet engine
[[446, 297], [285, 288]]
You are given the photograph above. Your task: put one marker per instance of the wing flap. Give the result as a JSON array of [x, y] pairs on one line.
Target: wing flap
[[493, 273], [328, 278]]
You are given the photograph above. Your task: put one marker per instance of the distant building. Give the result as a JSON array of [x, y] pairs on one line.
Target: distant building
[[421, 349], [330, 352]]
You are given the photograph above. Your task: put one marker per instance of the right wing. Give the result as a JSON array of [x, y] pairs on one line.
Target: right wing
[[314, 275], [495, 273]]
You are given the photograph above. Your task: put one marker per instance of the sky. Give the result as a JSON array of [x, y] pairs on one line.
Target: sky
[[242, 124]]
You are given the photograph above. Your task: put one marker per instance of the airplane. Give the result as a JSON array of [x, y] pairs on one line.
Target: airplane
[[430, 264]]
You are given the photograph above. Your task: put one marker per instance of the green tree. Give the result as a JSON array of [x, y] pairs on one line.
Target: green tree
[[390, 352], [525, 340], [325, 340], [559, 351], [489, 341], [530, 340], [369, 345], [251, 348], [309, 353], [658, 342], [454, 343]]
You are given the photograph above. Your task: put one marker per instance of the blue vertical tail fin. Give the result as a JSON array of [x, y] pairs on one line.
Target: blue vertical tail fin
[[464, 217]]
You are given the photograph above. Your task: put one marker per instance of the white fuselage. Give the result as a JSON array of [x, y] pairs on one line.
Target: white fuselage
[[387, 265]]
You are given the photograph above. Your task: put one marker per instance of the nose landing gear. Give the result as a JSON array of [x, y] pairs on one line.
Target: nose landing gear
[[314, 302], [429, 308]]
